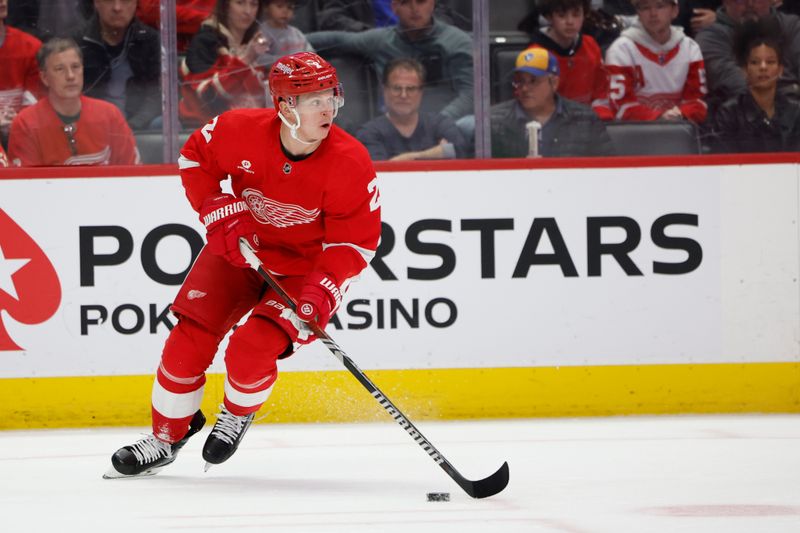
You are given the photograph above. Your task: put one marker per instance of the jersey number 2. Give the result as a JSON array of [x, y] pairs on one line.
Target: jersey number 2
[[208, 128], [375, 201]]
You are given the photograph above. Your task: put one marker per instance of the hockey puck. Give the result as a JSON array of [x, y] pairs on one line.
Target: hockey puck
[[438, 496]]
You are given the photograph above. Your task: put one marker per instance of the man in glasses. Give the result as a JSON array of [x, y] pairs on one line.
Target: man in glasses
[[445, 50], [306, 198], [726, 79], [66, 128], [404, 133], [565, 128]]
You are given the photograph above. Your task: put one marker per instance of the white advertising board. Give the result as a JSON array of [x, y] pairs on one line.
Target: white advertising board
[[492, 268]]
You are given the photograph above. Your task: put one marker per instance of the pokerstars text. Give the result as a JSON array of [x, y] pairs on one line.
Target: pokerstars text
[[607, 244]]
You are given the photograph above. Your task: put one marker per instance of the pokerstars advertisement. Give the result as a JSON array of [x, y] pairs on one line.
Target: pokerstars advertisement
[[496, 268]]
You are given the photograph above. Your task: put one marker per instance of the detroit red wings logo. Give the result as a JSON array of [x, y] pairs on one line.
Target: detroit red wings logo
[[29, 288], [280, 215]]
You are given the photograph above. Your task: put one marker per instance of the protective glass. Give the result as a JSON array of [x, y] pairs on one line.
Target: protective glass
[[410, 90], [529, 81]]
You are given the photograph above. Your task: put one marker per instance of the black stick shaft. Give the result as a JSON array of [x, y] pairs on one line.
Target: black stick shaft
[[477, 489]]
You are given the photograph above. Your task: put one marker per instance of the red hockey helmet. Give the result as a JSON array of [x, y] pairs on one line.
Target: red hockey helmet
[[300, 73]]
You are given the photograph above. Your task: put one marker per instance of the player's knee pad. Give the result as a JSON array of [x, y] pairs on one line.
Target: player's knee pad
[[188, 352], [253, 351]]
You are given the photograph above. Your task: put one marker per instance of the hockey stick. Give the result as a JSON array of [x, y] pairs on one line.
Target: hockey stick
[[481, 488]]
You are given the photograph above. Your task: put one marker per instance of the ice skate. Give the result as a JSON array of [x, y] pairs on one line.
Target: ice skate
[[149, 455], [225, 437]]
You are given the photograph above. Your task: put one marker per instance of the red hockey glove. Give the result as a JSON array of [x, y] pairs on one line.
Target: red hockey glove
[[227, 218], [319, 298]]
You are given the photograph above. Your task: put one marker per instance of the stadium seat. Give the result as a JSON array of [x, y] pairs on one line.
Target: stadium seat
[[654, 138], [501, 67], [360, 84], [151, 145], [461, 11], [506, 15]]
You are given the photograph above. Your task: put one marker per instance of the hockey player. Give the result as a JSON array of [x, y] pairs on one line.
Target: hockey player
[[655, 71], [306, 198]]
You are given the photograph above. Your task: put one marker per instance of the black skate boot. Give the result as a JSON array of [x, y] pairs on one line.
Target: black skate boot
[[225, 437], [149, 455]]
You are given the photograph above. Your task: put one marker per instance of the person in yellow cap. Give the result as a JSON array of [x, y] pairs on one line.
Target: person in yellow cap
[[567, 128]]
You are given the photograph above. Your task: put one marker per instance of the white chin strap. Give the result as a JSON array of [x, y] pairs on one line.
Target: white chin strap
[[294, 127]]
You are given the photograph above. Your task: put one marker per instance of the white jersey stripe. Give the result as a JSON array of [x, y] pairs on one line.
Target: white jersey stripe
[[364, 252], [245, 399], [184, 163], [173, 405], [176, 379]]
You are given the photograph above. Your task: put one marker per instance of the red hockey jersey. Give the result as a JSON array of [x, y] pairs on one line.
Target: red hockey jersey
[[227, 83], [3, 158], [19, 75], [100, 137], [189, 14], [647, 78], [321, 213], [583, 76]]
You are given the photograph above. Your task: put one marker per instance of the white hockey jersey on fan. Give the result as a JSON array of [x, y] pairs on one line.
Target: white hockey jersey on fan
[[647, 78]]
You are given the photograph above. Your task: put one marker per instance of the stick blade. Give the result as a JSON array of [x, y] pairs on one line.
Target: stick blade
[[483, 488]]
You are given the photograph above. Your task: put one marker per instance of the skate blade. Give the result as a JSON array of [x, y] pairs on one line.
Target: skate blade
[[113, 474]]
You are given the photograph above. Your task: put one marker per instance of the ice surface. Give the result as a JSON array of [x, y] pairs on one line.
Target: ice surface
[[727, 474]]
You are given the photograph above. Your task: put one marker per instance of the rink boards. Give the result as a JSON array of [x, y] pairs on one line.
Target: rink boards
[[499, 290]]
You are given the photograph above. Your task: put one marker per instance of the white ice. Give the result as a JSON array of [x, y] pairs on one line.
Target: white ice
[[727, 474]]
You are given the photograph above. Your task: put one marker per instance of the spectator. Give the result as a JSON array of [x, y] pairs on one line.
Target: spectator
[[282, 38], [568, 129], [19, 81], [405, 133], [361, 15], [65, 127], [444, 51], [221, 70], [655, 71], [725, 78], [696, 15], [189, 15], [622, 10], [3, 158], [583, 78], [122, 61], [759, 119], [45, 19]]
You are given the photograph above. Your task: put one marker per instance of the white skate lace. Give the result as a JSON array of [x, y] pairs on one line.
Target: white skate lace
[[228, 426], [149, 449]]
